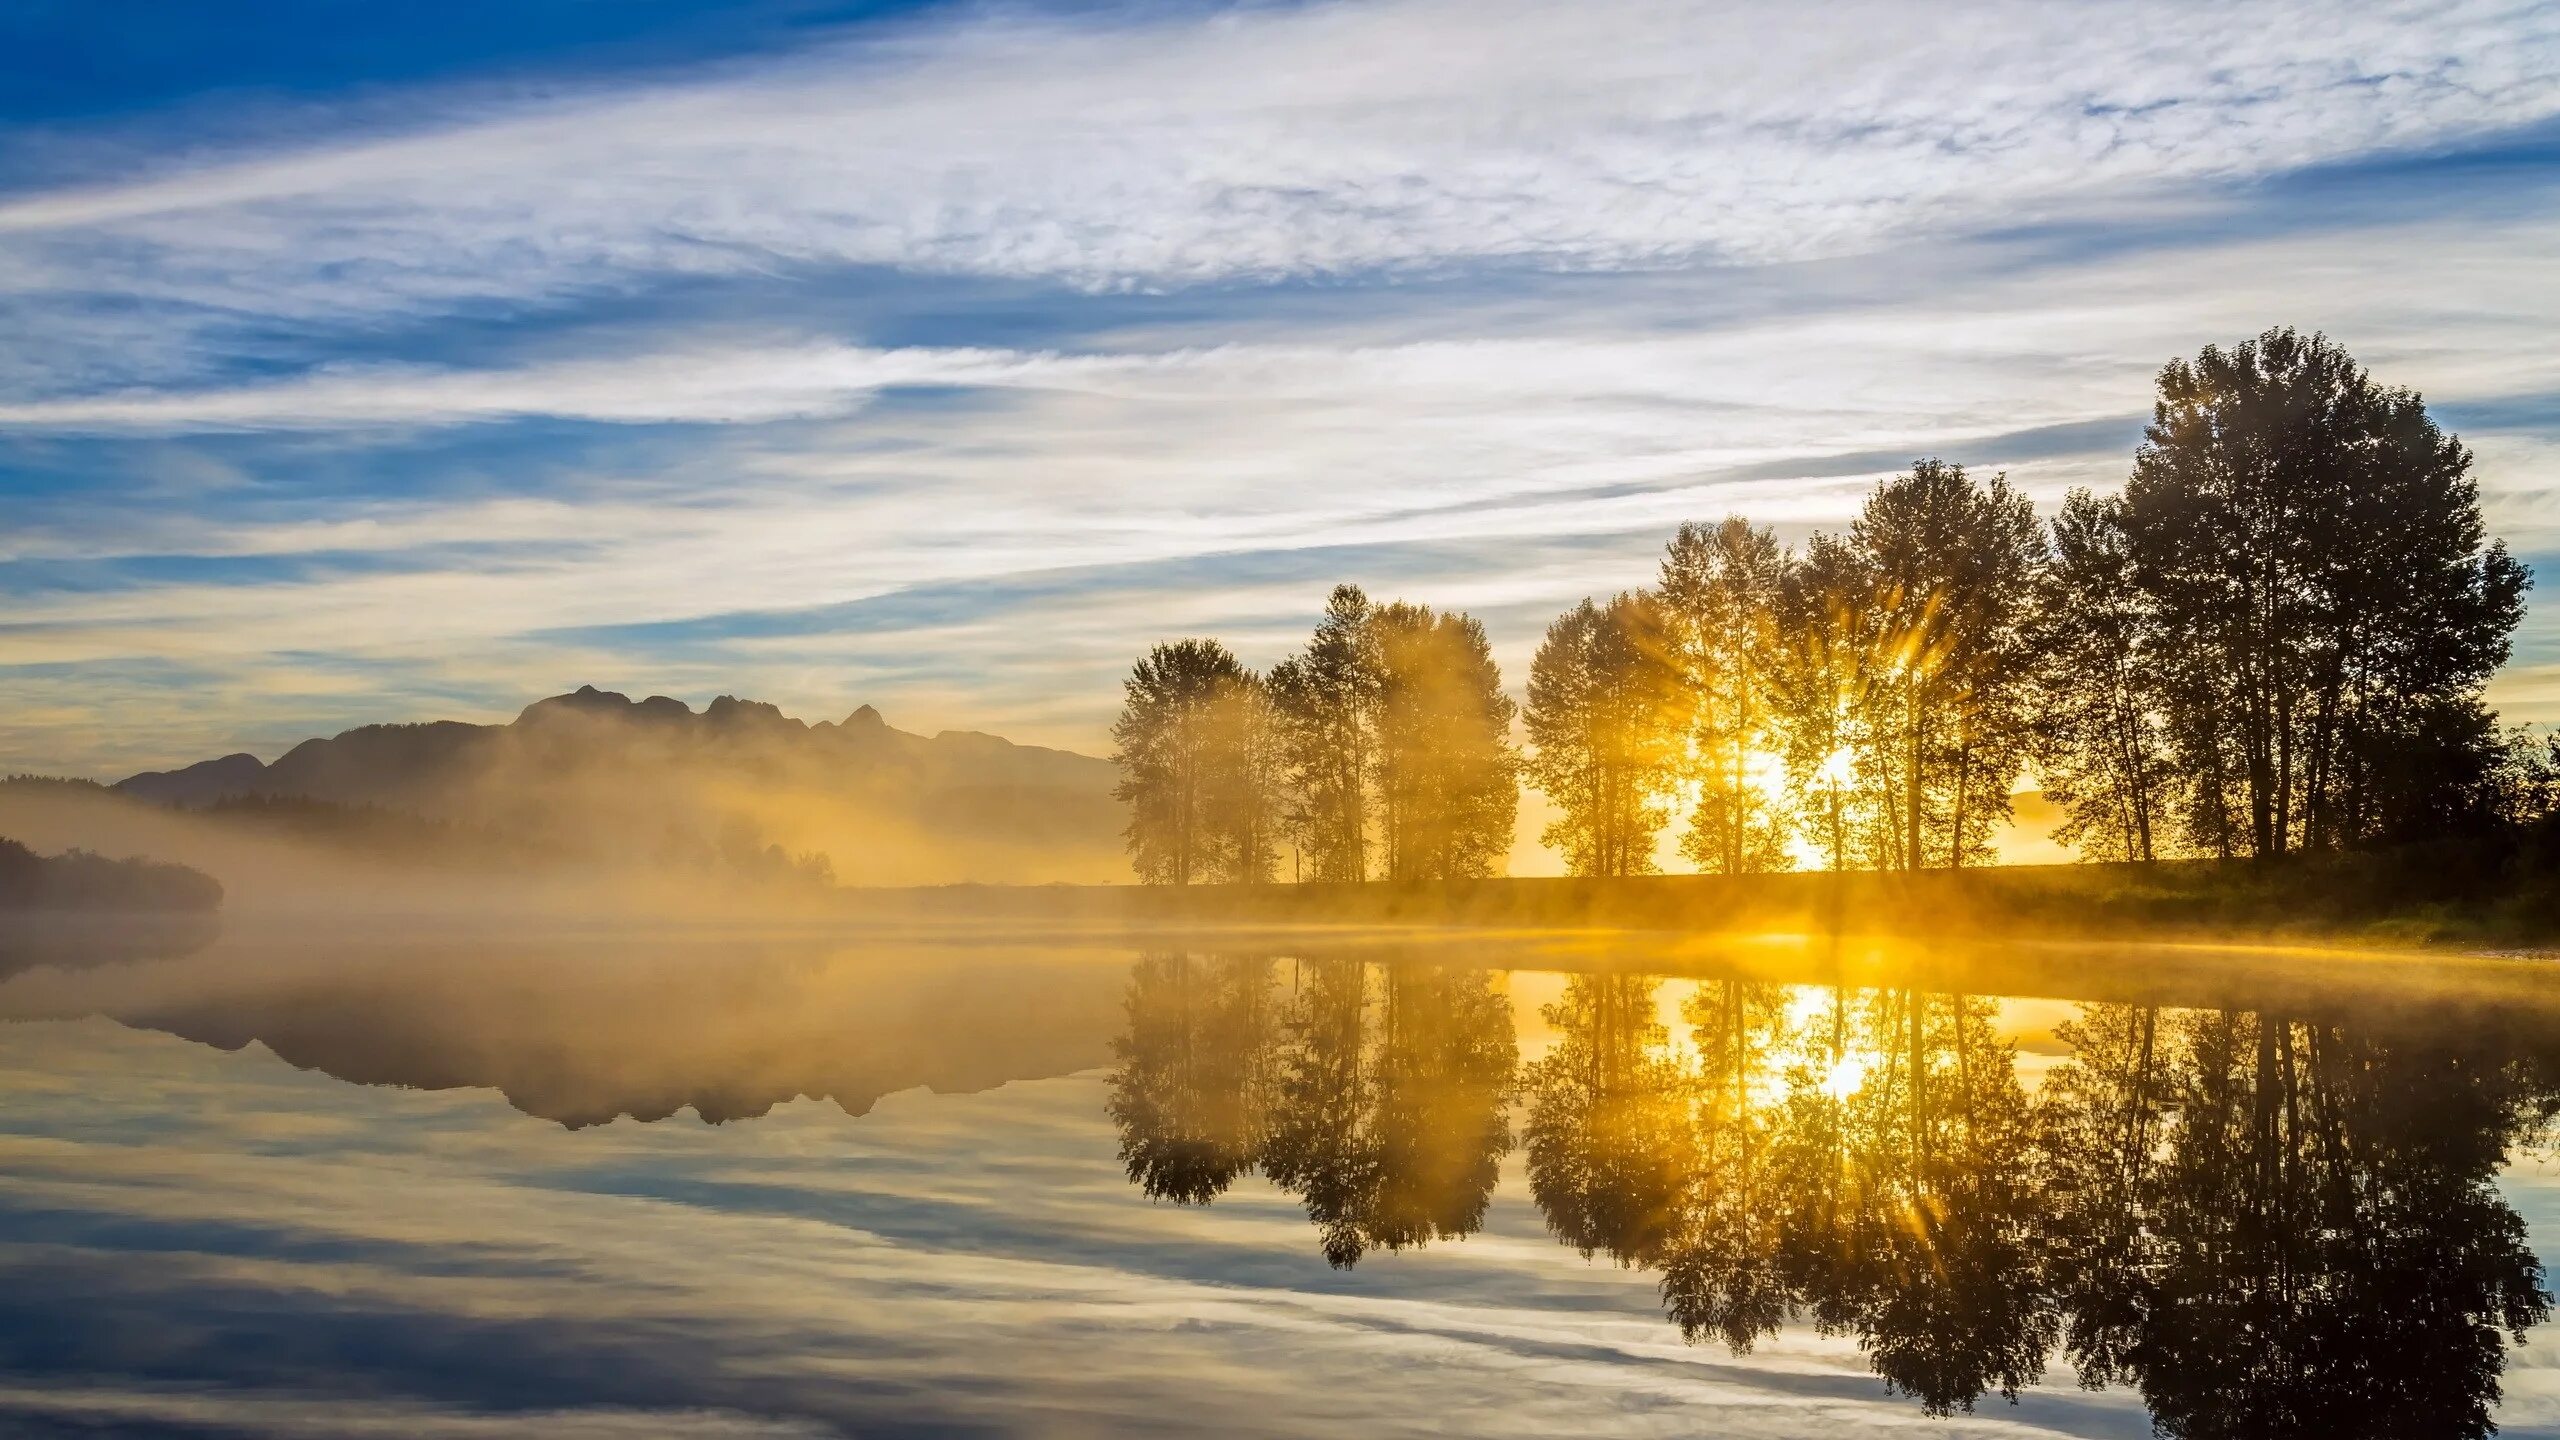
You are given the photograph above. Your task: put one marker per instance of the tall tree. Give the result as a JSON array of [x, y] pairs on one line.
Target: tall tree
[[1447, 779], [1824, 689], [2315, 548], [2100, 742], [1194, 767], [1954, 562], [1249, 788], [1326, 704], [1603, 719], [1719, 592]]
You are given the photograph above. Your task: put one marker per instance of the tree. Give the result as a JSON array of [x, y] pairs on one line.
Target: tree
[[1719, 593], [2100, 742], [1604, 720], [2315, 550], [1325, 702], [1823, 690], [1447, 779], [1195, 766], [1248, 787], [1953, 564]]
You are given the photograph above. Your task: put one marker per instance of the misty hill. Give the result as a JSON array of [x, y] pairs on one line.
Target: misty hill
[[595, 774]]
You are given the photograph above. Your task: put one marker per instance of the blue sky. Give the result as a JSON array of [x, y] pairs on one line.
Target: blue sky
[[405, 362]]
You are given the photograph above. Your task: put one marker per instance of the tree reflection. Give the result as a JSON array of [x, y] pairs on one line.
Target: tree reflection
[[1389, 1118], [2269, 1225], [2314, 1244], [1375, 1094], [1721, 1272], [1909, 1157], [1610, 1137], [1192, 1085]]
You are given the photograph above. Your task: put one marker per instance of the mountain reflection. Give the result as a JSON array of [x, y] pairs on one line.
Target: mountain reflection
[[583, 1030], [2266, 1224]]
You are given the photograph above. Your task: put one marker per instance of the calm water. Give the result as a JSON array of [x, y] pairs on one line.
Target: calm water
[[1083, 1188]]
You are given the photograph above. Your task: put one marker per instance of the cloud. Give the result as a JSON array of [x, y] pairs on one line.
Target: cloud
[[445, 1261], [1330, 139], [1473, 303]]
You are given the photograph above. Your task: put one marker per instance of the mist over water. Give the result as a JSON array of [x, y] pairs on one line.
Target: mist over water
[[319, 1182]]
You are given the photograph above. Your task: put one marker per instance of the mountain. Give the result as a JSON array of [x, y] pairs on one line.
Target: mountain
[[595, 774]]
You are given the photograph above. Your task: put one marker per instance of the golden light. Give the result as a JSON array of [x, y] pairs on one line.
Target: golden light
[[1846, 1077], [1766, 774], [1837, 768]]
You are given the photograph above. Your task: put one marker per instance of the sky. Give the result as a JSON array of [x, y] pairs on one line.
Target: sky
[[365, 363]]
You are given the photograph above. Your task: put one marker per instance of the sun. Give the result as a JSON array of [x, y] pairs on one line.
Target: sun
[[1846, 1077]]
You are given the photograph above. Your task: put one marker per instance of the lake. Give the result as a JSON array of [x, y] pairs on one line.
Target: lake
[[1269, 1184]]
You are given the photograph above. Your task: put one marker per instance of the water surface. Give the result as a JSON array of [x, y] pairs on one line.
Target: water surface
[[1267, 1186]]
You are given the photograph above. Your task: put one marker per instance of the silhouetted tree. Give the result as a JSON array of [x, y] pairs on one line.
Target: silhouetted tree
[[2314, 549], [1720, 595], [1326, 701], [1195, 769], [1824, 690], [1604, 723], [2100, 742], [1953, 563]]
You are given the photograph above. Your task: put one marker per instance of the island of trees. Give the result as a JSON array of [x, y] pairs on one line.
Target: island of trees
[[2274, 640]]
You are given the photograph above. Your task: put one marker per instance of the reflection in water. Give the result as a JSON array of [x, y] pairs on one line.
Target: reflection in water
[[1610, 1140], [582, 1031], [2276, 1227], [2268, 1226], [1375, 1094]]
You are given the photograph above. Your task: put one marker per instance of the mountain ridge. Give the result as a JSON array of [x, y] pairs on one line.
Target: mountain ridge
[[595, 769]]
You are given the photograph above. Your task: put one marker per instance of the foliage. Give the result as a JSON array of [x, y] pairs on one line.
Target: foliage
[[1195, 750], [2274, 640], [2328, 604], [1719, 592], [1604, 727]]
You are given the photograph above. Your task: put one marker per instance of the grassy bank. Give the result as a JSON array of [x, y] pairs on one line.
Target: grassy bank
[[2470, 894]]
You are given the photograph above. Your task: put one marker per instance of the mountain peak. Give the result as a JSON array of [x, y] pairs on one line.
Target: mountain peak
[[865, 717]]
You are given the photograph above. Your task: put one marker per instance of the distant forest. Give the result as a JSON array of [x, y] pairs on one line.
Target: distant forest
[[79, 880], [2273, 640]]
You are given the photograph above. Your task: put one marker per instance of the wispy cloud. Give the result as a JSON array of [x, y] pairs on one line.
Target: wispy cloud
[[1481, 298]]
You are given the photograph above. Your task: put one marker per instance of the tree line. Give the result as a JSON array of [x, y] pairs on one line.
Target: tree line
[[2274, 639], [2266, 1224]]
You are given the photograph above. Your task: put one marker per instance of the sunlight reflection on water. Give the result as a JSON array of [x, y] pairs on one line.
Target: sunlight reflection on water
[[203, 1237]]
